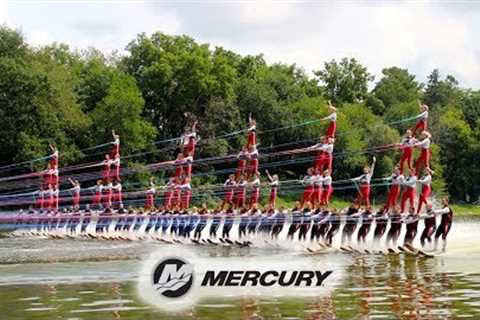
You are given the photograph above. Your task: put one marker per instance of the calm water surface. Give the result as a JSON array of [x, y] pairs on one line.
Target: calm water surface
[[66, 279]]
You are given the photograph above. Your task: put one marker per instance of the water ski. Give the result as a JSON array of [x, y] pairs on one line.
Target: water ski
[[425, 254], [408, 246], [406, 249], [238, 243], [352, 249], [392, 251], [212, 242]]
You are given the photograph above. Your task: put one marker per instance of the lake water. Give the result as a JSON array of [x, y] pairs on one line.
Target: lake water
[[92, 279]]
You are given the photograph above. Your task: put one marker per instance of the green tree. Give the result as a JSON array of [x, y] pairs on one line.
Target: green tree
[[396, 86], [177, 77], [37, 105], [122, 110], [458, 153], [439, 92], [470, 105], [345, 81]]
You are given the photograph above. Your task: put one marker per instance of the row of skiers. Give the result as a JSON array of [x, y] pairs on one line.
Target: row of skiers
[[318, 182]]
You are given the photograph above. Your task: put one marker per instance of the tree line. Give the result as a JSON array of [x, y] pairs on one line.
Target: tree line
[[53, 94]]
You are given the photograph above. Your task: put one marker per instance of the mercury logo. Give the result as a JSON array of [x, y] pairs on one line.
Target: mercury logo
[[173, 277]]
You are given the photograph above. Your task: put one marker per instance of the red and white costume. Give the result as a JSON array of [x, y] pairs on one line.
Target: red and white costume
[[253, 162], [327, 190], [106, 170], [363, 196], [186, 191], [76, 195], [407, 152], [53, 162], [397, 180], [324, 159], [55, 194], [189, 142], [426, 182], [178, 163], [273, 193], [421, 122], [97, 197], [410, 184], [117, 197], [255, 192], [40, 199], [252, 136], [187, 166], [115, 152], [50, 177], [49, 199], [149, 202], [240, 193], [168, 195], [242, 164], [309, 188], [176, 195], [107, 195], [229, 187], [317, 189], [115, 170], [424, 159], [333, 125]]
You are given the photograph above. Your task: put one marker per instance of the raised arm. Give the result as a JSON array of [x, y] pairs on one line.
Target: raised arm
[[372, 168], [269, 176], [330, 105], [194, 126]]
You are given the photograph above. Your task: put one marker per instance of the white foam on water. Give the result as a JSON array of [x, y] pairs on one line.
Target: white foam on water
[[106, 302]]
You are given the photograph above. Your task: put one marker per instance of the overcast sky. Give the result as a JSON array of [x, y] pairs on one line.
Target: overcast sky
[[418, 35]]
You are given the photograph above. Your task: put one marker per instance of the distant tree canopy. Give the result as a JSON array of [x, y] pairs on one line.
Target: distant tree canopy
[[74, 99]]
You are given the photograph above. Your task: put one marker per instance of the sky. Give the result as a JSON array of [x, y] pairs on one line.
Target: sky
[[418, 35]]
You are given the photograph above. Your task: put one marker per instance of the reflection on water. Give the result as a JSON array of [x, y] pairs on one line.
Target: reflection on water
[[374, 286]]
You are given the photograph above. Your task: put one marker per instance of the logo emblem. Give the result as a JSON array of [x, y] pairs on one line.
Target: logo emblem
[[173, 277]]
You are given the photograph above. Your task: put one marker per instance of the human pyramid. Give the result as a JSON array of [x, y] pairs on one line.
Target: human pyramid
[[242, 190]]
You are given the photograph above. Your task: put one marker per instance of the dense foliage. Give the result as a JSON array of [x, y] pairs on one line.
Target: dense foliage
[[162, 83]]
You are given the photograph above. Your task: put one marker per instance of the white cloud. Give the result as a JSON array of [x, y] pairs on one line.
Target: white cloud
[[264, 12], [416, 35], [38, 38], [3, 11]]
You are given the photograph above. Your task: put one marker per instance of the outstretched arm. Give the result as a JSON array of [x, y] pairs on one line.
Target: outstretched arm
[[269, 176], [330, 105], [315, 146]]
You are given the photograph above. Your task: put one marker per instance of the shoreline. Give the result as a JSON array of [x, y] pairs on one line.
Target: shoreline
[[459, 210]]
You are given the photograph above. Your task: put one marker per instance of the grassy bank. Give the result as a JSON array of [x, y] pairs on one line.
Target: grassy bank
[[460, 210], [466, 210]]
